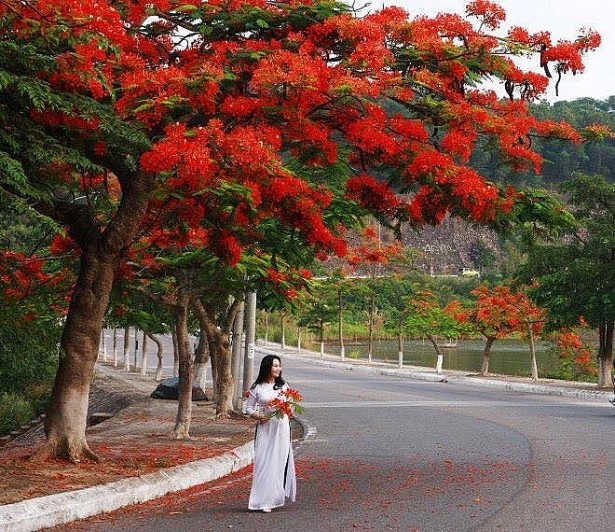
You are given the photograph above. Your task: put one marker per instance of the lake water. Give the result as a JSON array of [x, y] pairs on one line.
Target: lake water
[[508, 357]]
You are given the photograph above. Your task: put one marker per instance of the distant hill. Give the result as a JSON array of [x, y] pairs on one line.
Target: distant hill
[[453, 245]]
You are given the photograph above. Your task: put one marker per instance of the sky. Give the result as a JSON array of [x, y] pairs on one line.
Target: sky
[[563, 19]]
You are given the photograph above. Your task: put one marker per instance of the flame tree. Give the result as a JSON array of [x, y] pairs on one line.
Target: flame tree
[[116, 115]]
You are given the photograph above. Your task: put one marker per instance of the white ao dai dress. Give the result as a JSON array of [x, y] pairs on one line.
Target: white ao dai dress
[[274, 477]]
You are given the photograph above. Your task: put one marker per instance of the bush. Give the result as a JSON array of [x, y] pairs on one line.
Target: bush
[[15, 411], [28, 351]]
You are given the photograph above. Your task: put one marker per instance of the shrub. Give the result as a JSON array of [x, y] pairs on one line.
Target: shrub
[[15, 411]]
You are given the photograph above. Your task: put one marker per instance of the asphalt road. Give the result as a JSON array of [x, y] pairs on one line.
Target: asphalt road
[[385, 453]]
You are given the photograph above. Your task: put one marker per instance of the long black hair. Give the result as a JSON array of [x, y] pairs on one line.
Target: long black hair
[[265, 372]]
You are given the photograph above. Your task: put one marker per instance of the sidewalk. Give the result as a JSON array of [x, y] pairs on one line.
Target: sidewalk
[[144, 462]]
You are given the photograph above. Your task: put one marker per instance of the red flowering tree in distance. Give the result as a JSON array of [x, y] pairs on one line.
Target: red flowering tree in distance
[[497, 313], [116, 115]]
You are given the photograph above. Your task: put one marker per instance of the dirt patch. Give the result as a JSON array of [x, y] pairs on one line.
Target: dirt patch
[[137, 439]]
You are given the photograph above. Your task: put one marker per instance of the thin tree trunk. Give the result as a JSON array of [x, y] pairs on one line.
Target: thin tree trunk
[[282, 330], [400, 348], [236, 357], [533, 352], [186, 369], [439, 355], [224, 385], [322, 338], [484, 368], [135, 365], [340, 325], [144, 354], [126, 348], [115, 361], [159, 351], [371, 321], [175, 354], [605, 355], [221, 355], [201, 359]]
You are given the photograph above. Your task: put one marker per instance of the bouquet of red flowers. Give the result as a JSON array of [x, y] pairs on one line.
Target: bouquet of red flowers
[[288, 402]]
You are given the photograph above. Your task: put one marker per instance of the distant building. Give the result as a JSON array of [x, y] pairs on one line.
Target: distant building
[[468, 272]]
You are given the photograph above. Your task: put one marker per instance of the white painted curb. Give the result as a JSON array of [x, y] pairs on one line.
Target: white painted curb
[[432, 376], [53, 510]]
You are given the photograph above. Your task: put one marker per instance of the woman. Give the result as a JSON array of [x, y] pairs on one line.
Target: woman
[[274, 466]]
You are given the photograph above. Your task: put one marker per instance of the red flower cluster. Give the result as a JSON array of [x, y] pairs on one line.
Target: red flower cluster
[[287, 403]]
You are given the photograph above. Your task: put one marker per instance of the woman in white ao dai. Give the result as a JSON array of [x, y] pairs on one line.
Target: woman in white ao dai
[[274, 478]]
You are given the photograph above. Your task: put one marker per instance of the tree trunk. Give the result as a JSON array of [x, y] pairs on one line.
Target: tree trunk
[[236, 357], [220, 353], [484, 368], [221, 358], [400, 349], [439, 355], [322, 338], [175, 354], [282, 330], [605, 355], [144, 354], [67, 413], [135, 358], [115, 361], [186, 370], [101, 249], [201, 359], [371, 322], [532, 352], [159, 351], [340, 325], [126, 348]]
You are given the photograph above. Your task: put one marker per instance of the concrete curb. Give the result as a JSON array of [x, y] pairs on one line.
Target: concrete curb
[[53, 510]]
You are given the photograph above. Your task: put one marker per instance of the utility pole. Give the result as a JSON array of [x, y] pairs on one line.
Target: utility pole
[[248, 359], [236, 356]]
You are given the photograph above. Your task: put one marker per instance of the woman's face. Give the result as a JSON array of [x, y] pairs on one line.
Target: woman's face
[[276, 368]]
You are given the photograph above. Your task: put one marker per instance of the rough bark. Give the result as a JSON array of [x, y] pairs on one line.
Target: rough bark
[[201, 359], [484, 367], [224, 385], [218, 336], [186, 369], [66, 419]]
